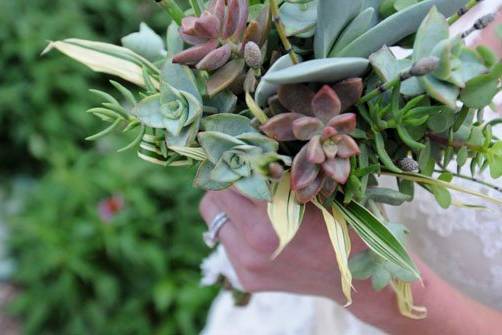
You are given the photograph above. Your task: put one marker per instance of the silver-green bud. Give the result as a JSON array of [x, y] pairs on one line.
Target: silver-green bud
[[252, 55], [424, 66]]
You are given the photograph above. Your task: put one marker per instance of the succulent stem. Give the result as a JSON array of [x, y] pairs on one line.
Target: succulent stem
[[475, 180], [196, 7], [420, 68], [258, 113], [274, 11], [173, 10], [462, 11], [480, 24]]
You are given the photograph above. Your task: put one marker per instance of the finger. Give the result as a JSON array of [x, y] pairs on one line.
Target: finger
[[251, 219]]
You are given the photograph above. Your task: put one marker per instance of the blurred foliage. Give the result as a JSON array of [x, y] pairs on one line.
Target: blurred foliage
[[42, 99], [78, 273], [137, 273]]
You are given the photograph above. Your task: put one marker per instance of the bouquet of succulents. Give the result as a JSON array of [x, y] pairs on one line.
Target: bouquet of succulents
[[297, 101]]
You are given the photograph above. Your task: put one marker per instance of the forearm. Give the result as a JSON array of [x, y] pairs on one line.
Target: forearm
[[449, 312]]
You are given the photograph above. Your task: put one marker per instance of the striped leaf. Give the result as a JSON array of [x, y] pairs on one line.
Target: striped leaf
[[377, 235], [405, 303], [339, 235], [106, 58], [285, 213]]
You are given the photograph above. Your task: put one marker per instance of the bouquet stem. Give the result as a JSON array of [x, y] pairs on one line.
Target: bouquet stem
[[173, 10], [462, 11], [274, 10]]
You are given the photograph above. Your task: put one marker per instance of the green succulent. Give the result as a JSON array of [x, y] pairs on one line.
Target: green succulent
[[236, 154], [178, 112], [457, 63]]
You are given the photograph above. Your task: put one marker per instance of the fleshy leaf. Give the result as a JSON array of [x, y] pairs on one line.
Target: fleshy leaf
[[388, 68], [299, 19], [222, 78], [296, 98], [332, 17], [319, 70], [230, 124], [265, 89], [280, 127], [255, 187], [215, 144], [203, 178], [396, 27], [480, 91], [145, 43], [361, 23], [349, 91], [326, 104], [303, 172]]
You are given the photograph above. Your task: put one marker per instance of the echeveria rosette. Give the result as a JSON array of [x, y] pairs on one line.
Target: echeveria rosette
[[235, 152], [176, 111], [457, 63], [324, 161], [214, 35]]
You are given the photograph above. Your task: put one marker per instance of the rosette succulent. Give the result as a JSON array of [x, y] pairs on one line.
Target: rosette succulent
[[216, 34], [177, 112], [324, 161], [236, 153]]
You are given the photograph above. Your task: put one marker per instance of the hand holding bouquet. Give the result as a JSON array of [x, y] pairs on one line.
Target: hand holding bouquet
[[298, 102]]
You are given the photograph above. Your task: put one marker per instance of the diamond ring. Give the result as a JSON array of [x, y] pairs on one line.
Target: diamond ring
[[211, 236]]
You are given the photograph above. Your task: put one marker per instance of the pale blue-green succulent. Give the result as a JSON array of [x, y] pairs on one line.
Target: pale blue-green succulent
[[236, 153], [175, 111]]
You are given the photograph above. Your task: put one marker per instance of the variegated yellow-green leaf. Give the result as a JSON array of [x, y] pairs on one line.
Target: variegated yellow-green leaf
[[255, 109], [431, 181], [194, 153], [285, 213], [405, 303], [105, 58], [339, 236]]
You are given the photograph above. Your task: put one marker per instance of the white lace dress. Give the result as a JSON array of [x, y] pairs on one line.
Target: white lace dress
[[464, 246]]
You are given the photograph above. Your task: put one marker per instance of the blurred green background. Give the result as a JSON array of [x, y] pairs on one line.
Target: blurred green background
[[74, 270]]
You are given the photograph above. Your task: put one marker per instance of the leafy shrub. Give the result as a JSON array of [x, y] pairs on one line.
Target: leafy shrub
[[137, 273]]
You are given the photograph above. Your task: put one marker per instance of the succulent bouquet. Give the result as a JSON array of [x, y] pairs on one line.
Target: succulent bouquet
[[297, 101]]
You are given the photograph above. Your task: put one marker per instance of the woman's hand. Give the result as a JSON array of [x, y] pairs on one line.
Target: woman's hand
[[308, 266]]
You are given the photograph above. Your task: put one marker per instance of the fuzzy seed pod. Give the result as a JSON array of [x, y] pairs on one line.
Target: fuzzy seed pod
[[408, 164], [252, 55], [424, 66]]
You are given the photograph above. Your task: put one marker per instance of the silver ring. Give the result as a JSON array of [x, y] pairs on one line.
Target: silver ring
[[211, 236]]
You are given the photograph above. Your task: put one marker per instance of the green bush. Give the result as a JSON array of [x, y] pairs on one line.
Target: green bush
[[43, 99], [135, 274]]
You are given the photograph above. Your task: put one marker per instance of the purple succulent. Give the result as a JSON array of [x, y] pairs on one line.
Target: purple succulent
[[214, 35], [324, 161]]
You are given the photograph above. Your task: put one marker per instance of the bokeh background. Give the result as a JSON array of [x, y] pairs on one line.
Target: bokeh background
[[91, 241]]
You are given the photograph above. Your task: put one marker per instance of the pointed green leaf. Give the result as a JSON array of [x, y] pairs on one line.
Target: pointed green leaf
[[396, 27], [361, 23], [332, 17], [145, 43]]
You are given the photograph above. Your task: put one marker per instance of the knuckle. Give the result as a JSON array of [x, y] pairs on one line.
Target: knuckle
[[262, 240], [253, 263]]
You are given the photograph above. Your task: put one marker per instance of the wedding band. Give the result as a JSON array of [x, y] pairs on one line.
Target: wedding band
[[211, 236]]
